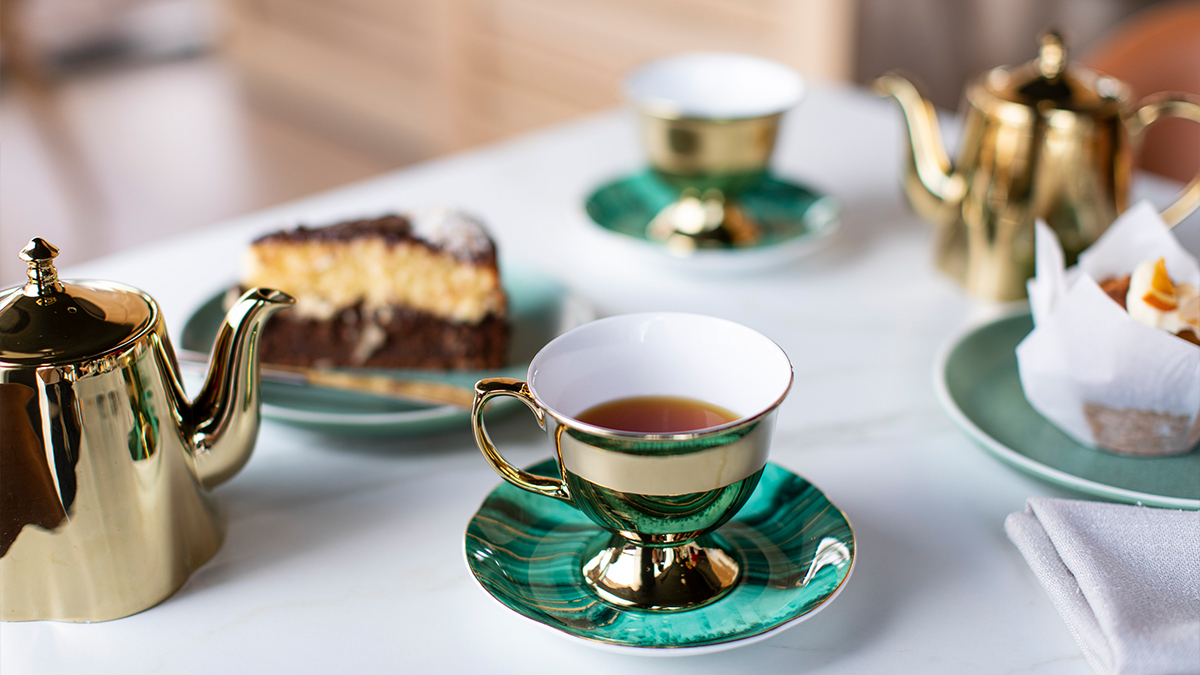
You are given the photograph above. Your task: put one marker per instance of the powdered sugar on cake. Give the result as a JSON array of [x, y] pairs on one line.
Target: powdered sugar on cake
[[452, 231]]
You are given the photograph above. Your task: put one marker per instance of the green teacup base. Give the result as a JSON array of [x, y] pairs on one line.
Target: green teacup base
[[659, 554]]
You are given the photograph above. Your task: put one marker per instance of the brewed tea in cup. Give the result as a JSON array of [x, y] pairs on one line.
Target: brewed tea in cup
[[661, 424]]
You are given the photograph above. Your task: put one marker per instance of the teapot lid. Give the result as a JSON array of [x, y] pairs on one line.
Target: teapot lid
[[53, 322], [1051, 81]]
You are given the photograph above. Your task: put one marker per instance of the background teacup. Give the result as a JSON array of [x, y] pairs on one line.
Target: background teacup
[[708, 122], [659, 495]]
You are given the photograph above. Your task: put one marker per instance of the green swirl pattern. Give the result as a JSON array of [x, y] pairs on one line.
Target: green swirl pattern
[[796, 549]]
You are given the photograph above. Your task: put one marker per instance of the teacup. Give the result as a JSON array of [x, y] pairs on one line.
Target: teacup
[[712, 113], [708, 123], [659, 495]]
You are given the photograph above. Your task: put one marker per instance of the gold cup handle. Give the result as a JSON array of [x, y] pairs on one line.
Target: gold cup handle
[[492, 387], [1161, 106]]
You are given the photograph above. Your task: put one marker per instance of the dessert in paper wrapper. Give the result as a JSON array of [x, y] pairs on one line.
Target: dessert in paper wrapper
[[1104, 378]]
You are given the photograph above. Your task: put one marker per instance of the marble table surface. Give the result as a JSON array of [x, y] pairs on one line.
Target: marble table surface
[[346, 554]]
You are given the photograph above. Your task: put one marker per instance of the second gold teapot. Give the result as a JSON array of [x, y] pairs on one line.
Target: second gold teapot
[[1048, 140]]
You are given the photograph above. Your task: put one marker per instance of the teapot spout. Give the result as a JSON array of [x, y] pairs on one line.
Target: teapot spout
[[227, 412], [934, 190]]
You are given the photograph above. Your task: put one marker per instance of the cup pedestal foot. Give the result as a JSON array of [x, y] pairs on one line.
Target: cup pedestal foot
[[708, 220], [663, 579]]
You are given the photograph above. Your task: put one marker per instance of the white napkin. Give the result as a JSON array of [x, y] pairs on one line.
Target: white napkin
[[1126, 579]]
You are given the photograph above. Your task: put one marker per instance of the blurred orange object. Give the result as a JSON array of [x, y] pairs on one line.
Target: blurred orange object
[[1159, 50]]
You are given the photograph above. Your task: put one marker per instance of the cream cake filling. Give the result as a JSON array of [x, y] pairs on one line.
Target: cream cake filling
[[1155, 301], [326, 277]]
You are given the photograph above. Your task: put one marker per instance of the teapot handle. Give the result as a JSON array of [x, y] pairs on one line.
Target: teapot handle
[[1162, 106]]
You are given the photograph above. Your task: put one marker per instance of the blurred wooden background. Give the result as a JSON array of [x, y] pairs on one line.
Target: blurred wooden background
[[123, 121], [415, 78]]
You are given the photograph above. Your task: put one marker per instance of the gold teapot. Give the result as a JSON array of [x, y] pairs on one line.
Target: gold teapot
[[1048, 139], [105, 465]]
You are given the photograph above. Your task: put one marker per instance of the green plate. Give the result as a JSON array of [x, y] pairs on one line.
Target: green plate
[[978, 385], [796, 548], [795, 219], [539, 307]]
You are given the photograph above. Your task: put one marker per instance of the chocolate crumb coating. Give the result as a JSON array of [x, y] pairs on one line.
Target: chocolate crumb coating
[[469, 246]]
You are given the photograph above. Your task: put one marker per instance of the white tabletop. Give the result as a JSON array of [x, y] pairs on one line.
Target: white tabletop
[[345, 555]]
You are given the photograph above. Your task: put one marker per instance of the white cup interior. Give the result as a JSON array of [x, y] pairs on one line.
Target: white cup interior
[[714, 85], [660, 354]]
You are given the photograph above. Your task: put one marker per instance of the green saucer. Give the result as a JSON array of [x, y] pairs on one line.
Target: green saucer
[[796, 549], [794, 219], [978, 385]]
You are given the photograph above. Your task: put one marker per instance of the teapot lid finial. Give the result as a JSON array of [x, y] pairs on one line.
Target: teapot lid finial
[[43, 275], [1049, 83], [50, 322], [1052, 54]]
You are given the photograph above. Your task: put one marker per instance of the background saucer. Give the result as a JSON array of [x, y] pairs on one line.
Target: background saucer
[[540, 309], [978, 385], [796, 221], [525, 551]]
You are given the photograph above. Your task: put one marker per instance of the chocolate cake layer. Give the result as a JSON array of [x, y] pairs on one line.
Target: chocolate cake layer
[[409, 339]]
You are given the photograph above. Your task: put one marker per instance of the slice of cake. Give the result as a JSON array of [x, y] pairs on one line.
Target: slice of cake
[[389, 292]]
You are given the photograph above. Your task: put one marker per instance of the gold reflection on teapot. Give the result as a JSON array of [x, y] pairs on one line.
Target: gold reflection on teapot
[[1047, 140], [105, 466]]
